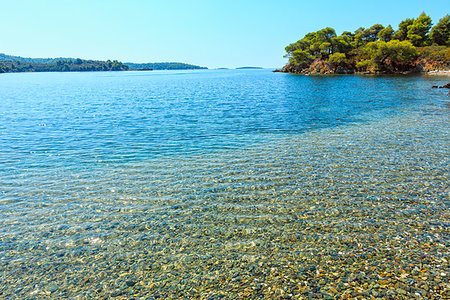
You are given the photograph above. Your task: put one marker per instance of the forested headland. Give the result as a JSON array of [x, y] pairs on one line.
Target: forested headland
[[415, 46], [12, 64]]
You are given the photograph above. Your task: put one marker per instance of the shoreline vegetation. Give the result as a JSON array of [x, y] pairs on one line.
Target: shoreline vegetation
[[16, 64], [416, 47]]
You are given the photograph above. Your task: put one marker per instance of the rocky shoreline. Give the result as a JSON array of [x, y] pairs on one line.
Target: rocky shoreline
[[321, 67], [438, 72]]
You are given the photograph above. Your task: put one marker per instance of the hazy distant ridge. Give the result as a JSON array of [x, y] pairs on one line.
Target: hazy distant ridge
[[5, 57], [11, 63], [15, 64], [163, 66]]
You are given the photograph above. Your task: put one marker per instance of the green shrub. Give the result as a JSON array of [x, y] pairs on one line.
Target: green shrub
[[390, 56]]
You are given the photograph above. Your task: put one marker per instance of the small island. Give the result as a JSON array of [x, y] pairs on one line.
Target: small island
[[415, 47], [249, 68]]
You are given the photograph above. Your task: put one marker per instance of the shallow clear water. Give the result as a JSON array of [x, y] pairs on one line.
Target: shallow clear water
[[243, 183]]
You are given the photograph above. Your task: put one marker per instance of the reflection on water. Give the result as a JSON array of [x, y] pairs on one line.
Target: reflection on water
[[235, 183]]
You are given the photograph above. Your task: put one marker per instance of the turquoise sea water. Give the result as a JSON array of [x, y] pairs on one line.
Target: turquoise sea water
[[240, 183]]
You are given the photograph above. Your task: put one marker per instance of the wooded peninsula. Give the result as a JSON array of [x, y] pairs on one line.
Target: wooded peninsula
[[415, 47], [13, 64]]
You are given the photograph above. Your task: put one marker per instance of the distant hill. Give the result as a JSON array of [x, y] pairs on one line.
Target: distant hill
[[5, 57], [15, 64], [12, 64], [162, 66]]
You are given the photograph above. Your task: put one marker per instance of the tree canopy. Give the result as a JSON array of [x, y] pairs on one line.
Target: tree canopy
[[392, 56], [418, 30], [386, 34], [19, 64], [376, 48], [402, 32], [10, 63], [440, 34]]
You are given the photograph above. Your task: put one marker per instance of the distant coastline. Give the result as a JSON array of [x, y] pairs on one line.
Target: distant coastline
[[15, 64], [163, 66], [414, 48]]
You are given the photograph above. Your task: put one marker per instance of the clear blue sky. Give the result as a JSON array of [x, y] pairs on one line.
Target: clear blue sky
[[212, 33]]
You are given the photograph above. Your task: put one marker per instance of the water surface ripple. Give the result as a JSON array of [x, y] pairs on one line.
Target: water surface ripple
[[235, 183]]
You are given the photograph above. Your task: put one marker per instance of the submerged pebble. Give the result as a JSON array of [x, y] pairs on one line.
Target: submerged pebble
[[358, 211]]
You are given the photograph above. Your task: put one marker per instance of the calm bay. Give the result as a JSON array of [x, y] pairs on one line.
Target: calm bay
[[241, 183]]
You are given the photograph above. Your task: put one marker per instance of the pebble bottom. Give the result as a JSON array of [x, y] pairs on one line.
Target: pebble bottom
[[354, 212]]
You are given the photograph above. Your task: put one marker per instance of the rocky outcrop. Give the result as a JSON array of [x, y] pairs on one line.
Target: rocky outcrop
[[321, 67], [294, 69], [447, 86], [424, 66], [318, 66]]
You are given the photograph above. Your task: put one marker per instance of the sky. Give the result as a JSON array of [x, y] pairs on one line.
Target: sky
[[210, 33]]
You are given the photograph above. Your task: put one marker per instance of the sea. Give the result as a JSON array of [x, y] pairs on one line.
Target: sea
[[210, 184]]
